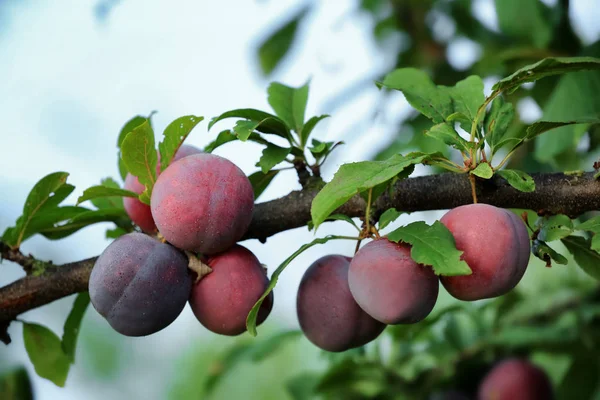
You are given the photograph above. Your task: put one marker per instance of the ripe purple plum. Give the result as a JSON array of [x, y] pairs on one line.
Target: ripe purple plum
[[222, 299], [327, 312], [389, 285], [202, 203], [139, 284], [496, 247], [515, 379], [140, 213]]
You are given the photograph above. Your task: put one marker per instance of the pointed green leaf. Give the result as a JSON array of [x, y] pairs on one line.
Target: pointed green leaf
[[308, 128], [223, 137], [592, 225], [518, 179], [447, 134], [115, 233], [595, 244], [251, 319], [101, 191], [46, 354], [497, 121], [272, 51], [260, 181], [289, 104], [271, 156], [547, 254], [48, 219], [244, 129], [84, 219], [15, 384], [554, 227], [174, 135], [108, 202], [271, 124], [546, 67], [388, 216], [47, 193], [336, 217], [139, 155], [355, 178], [421, 93], [467, 96], [432, 245], [72, 324], [128, 127], [540, 127], [587, 259], [483, 170]]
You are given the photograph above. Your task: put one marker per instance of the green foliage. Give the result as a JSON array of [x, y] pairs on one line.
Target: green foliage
[[483, 170], [138, 152], [520, 180], [432, 245], [271, 156], [174, 135], [46, 354], [260, 181], [289, 104], [128, 127], [389, 216], [72, 325], [16, 385], [102, 191], [526, 21], [586, 258]]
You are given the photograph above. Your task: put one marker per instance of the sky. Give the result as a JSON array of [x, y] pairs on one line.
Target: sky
[[71, 80]]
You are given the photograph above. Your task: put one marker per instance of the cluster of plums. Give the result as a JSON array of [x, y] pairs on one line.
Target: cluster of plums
[[345, 302], [201, 203]]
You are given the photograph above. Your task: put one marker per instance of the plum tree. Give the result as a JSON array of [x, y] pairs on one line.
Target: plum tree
[[222, 299], [139, 284], [140, 213], [389, 285], [496, 247], [328, 314], [202, 203], [515, 379]]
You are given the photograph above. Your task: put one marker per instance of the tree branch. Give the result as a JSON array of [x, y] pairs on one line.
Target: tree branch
[[555, 193]]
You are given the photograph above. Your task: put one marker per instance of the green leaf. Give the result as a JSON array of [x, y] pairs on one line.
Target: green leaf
[[128, 127], [47, 193], [271, 156], [46, 354], [525, 21], [467, 96], [584, 256], [497, 121], [174, 135], [15, 384], [336, 217], [432, 245], [581, 380], [251, 319], [595, 244], [244, 129], [546, 67], [115, 233], [72, 324], [102, 191], [272, 51], [421, 93], [355, 379], [308, 128], [554, 227], [592, 225], [83, 219], [271, 124], [108, 202], [302, 386], [320, 149], [260, 181], [388, 216], [447, 134], [355, 178], [518, 179], [271, 345], [139, 155], [289, 104], [483, 170], [225, 136], [540, 127], [547, 254], [50, 218]]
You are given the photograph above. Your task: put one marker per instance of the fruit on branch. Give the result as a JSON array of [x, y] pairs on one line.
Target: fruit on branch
[[328, 314], [139, 284], [202, 203], [515, 379], [139, 212], [222, 299], [389, 285], [496, 247]]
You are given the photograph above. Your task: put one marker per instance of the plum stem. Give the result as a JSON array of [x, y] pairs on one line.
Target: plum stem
[[197, 266], [368, 210], [473, 188]]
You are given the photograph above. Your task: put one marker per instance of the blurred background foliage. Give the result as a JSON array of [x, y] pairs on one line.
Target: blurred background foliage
[[551, 318]]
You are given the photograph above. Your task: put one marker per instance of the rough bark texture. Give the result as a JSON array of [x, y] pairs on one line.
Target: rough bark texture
[[555, 193]]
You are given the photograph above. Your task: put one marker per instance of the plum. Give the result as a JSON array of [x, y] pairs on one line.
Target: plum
[[222, 299], [389, 285], [202, 203], [327, 312], [139, 284], [515, 379], [496, 247], [139, 212]]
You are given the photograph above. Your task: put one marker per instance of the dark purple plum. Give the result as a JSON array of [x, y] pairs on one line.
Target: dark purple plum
[[496, 247], [515, 379], [389, 285], [327, 312], [202, 203], [222, 299], [139, 212], [139, 284]]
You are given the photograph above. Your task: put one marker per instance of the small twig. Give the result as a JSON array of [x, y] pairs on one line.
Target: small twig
[[473, 188], [15, 255]]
